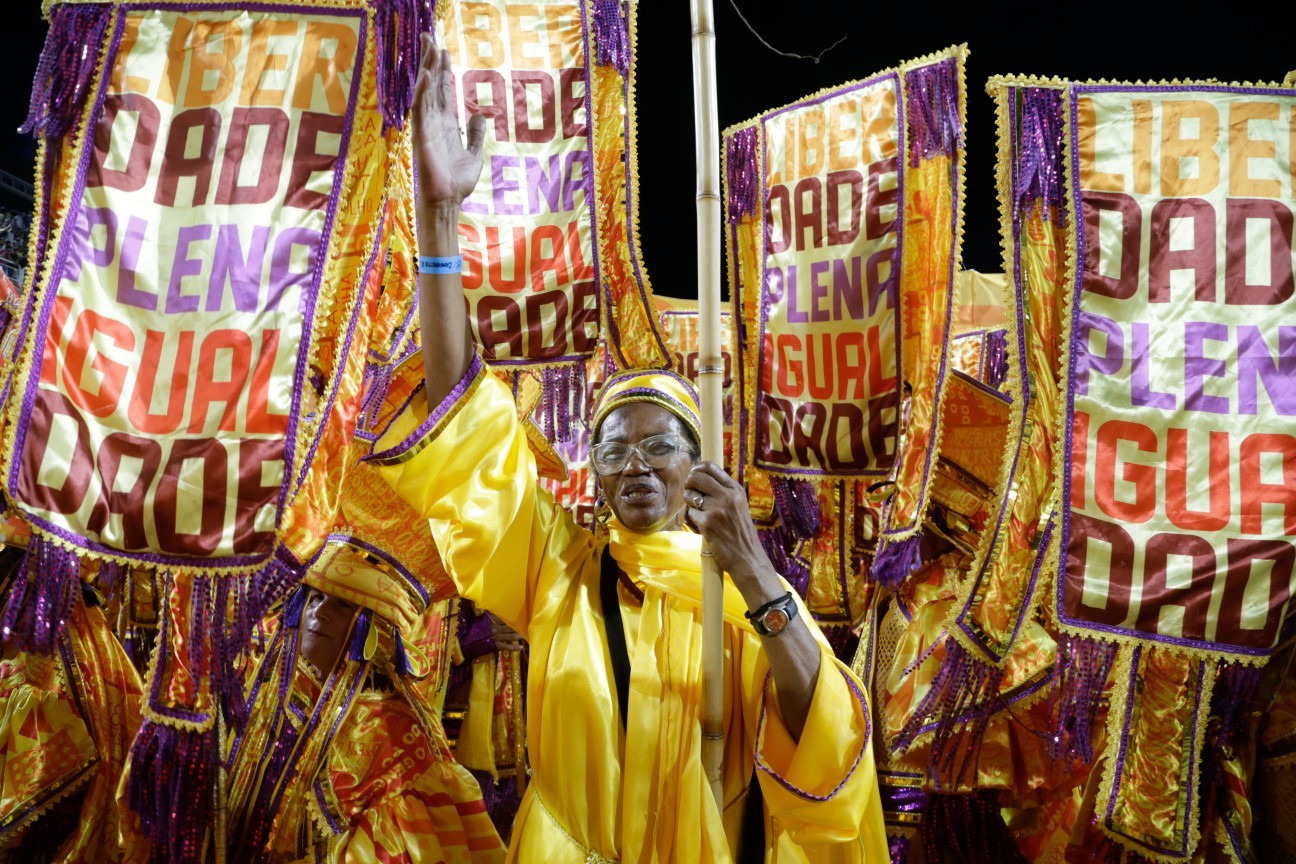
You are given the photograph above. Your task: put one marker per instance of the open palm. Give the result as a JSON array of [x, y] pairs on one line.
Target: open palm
[[447, 169]]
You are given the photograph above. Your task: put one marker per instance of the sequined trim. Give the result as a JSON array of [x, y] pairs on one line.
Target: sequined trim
[[591, 857], [437, 420]]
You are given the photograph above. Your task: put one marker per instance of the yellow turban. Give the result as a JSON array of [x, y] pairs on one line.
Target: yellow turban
[[659, 387], [369, 579]]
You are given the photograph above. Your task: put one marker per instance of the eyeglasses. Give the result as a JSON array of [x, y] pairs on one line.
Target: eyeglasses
[[656, 451]]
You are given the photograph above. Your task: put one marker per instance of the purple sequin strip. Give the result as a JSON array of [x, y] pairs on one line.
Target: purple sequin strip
[[1039, 151], [1083, 667], [903, 799], [742, 175], [962, 697], [996, 358], [611, 36], [397, 27], [41, 598], [895, 560], [797, 506], [776, 541], [172, 773], [932, 106], [67, 64], [1233, 705]]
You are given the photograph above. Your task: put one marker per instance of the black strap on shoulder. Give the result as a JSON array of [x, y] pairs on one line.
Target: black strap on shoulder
[[615, 631]]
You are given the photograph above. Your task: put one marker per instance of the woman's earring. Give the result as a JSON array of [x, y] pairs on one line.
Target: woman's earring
[[602, 510]]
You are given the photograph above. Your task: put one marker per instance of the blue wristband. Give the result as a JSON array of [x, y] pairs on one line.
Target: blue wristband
[[440, 266]]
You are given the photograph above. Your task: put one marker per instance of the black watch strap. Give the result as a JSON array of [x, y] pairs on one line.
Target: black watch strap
[[785, 604]]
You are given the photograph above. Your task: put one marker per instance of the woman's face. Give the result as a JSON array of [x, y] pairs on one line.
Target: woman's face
[[325, 623], [646, 499]]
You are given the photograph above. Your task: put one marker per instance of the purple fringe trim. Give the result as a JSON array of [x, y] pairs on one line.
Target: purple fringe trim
[[895, 560], [968, 829], [67, 65], [797, 506], [932, 105], [776, 541], [996, 358], [42, 597], [562, 402], [172, 774], [1039, 159], [397, 27], [742, 174], [611, 36], [963, 695], [1083, 667], [898, 847], [1234, 702]]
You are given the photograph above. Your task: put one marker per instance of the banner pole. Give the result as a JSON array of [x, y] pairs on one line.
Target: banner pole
[[706, 133]]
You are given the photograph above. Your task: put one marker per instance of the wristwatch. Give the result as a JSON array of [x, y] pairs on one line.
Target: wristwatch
[[774, 617]]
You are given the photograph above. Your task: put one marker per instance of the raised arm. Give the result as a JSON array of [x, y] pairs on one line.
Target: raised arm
[[447, 172]]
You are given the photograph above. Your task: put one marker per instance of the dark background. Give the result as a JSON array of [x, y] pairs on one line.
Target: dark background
[[1113, 40]]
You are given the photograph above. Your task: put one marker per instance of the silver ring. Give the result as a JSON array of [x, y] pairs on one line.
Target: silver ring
[[699, 501]]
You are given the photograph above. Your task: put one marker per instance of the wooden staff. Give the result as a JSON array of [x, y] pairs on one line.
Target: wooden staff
[[706, 133]]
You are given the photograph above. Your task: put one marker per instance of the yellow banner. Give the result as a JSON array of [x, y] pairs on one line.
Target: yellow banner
[[185, 280], [527, 229], [828, 390], [1180, 474]]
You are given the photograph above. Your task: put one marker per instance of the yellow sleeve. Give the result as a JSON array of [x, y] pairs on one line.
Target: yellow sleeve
[[823, 789], [467, 467]]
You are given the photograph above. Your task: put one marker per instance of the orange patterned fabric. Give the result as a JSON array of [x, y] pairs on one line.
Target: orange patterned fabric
[[68, 723]]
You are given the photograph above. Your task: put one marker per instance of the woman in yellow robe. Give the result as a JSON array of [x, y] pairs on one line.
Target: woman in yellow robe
[[610, 784]]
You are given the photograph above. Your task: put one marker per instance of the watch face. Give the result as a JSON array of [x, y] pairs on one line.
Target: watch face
[[775, 620]]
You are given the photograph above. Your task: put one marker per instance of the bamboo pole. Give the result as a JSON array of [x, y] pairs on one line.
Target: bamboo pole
[[706, 130]]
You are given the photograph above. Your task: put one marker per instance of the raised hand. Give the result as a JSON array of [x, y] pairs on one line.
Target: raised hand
[[447, 169]]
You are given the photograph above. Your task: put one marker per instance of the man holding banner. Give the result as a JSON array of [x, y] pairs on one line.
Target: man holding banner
[[613, 619]]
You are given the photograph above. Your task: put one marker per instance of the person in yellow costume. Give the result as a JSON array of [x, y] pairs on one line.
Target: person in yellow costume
[[616, 770], [343, 759]]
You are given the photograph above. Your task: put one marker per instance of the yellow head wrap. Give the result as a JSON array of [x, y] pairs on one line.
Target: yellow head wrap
[[370, 579], [659, 387]]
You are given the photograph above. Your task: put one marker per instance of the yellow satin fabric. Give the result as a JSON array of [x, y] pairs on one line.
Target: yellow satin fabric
[[640, 795]]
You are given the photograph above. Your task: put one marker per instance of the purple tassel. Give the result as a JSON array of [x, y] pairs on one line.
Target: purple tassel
[[742, 174], [359, 637], [1233, 705], [611, 36], [172, 774], [293, 608], [776, 540], [42, 597], [1039, 156], [932, 105], [968, 829], [996, 358], [397, 27], [963, 695], [898, 846], [401, 660], [1082, 670], [67, 65], [895, 560], [797, 506]]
